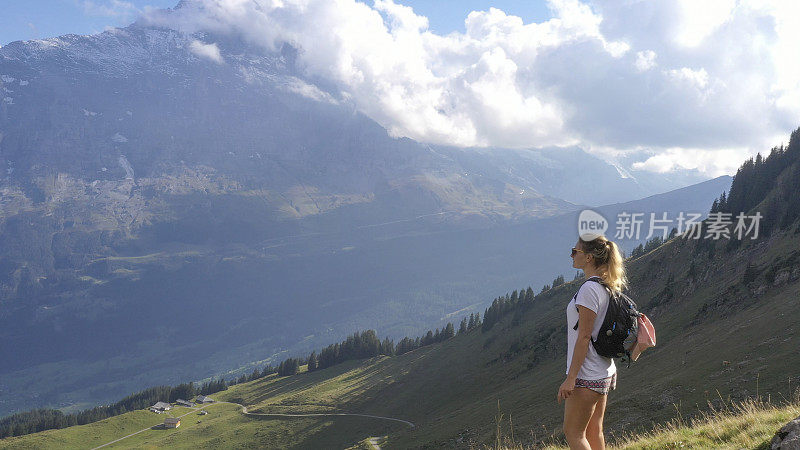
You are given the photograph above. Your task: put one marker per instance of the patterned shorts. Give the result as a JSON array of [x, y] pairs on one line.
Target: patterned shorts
[[601, 386]]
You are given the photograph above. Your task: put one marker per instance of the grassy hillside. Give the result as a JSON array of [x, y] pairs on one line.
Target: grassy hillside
[[224, 427]]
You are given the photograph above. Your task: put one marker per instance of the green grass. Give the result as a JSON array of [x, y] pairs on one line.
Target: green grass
[[750, 424], [86, 436]]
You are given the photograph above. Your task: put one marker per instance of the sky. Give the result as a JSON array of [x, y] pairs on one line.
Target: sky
[[38, 19], [661, 84]]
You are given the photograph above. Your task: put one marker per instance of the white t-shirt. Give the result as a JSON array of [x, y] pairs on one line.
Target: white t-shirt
[[595, 297]]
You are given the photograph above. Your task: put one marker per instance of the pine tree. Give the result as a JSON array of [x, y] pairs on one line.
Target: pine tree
[[448, 332], [462, 328], [488, 317], [312, 362], [529, 295], [387, 347]]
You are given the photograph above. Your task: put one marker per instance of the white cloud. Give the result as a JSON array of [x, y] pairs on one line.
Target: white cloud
[[310, 91], [699, 19], [697, 78], [34, 30], [645, 60], [464, 89], [728, 73], [711, 162], [207, 51]]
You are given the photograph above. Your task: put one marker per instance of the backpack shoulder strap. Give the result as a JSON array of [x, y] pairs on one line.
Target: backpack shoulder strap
[[600, 282], [596, 279]]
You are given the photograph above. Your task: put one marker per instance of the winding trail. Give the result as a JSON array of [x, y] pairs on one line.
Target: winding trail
[[246, 413]]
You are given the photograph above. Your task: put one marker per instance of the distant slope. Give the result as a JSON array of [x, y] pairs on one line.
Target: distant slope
[[690, 198], [554, 172]]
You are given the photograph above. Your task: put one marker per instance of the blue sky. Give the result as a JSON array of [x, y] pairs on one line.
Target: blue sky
[[37, 19], [446, 16]]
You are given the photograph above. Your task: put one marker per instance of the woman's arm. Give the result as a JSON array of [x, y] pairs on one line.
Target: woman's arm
[[586, 319]]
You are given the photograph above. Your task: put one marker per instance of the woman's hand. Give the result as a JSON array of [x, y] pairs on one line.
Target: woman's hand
[[566, 389]]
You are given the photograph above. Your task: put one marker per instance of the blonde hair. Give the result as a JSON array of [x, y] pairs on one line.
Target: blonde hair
[[607, 257]]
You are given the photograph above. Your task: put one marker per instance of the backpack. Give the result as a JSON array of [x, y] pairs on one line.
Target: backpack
[[625, 332]]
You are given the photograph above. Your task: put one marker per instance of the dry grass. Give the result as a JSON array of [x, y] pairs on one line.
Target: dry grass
[[750, 424]]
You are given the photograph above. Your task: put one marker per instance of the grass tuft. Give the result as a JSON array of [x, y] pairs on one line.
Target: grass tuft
[[747, 424]]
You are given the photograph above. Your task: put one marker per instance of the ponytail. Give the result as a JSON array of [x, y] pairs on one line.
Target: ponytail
[[608, 259]]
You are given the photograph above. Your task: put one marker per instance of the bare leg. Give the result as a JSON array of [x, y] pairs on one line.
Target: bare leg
[[578, 411], [594, 431]]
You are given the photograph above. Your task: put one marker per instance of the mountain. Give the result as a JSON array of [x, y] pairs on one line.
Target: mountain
[[557, 172], [165, 217], [725, 312], [136, 113]]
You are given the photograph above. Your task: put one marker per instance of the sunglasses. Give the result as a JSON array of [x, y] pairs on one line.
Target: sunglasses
[[575, 250]]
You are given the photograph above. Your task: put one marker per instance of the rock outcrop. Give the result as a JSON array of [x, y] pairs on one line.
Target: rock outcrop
[[788, 437]]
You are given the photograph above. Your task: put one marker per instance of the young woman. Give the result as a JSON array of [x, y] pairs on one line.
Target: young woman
[[590, 376]]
